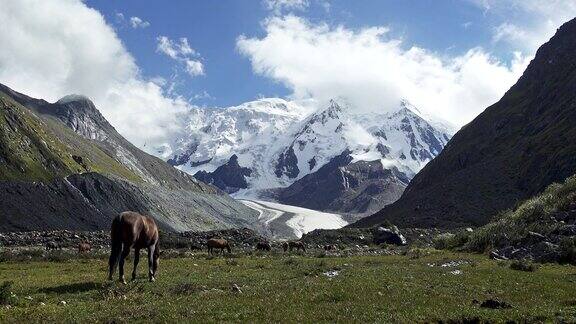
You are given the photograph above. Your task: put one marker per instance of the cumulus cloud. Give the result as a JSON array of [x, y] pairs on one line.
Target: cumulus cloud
[[137, 22], [182, 52], [55, 48], [534, 21], [374, 71]]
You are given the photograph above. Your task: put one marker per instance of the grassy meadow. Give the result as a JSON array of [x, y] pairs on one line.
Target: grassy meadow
[[422, 287]]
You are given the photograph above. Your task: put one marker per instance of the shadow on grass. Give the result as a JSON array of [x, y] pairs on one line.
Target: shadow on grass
[[72, 288]]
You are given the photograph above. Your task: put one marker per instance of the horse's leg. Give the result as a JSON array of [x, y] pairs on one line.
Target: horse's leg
[[136, 260], [125, 252], [156, 257], [151, 251], [114, 254]]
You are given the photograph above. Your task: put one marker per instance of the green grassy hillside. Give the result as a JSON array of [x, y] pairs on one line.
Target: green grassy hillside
[[548, 217], [32, 151]]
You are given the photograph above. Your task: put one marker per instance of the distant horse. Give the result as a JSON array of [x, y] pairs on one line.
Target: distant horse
[[132, 230], [84, 247], [330, 247], [52, 246], [298, 245], [216, 243], [263, 246]]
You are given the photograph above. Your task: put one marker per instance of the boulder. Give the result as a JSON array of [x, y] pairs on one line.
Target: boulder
[[388, 236]]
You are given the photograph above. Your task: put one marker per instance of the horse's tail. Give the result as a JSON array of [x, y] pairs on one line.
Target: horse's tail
[[115, 243], [116, 232]]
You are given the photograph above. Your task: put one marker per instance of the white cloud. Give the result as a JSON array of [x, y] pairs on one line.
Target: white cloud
[[527, 24], [137, 22], [278, 6], [194, 68], [182, 52], [374, 71], [55, 48]]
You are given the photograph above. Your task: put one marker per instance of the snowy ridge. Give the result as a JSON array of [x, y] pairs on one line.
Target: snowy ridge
[[282, 141]]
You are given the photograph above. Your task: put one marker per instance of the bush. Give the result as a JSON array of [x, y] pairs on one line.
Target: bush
[[523, 265], [568, 250], [417, 253], [449, 241], [6, 295]]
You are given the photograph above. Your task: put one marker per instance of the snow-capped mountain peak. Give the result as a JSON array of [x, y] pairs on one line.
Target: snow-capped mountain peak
[[282, 141]]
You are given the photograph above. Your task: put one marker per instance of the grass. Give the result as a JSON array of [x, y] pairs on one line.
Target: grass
[[282, 288]]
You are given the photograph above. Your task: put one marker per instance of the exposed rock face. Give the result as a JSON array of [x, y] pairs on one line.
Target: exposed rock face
[[340, 185], [512, 151], [229, 177], [65, 167], [288, 164]]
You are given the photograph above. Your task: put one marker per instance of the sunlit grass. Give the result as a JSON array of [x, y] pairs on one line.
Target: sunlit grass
[[290, 288]]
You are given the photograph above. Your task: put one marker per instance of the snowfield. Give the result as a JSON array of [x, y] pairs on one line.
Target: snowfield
[[288, 222]]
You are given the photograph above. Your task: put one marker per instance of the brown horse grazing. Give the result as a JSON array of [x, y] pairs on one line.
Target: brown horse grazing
[[132, 230], [263, 246], [84, 247], [298, 245], [216, 243]]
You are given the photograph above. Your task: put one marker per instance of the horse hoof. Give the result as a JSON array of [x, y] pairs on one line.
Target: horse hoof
[[152, 279], [123, 281]]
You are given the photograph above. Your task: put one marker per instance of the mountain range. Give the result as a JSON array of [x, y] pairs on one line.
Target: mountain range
[[335, 158]]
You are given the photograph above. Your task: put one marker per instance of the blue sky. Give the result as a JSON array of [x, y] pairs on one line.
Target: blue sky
[[146, 64], [448, 27]]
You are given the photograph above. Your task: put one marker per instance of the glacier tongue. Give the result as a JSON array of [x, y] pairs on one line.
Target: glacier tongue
[[282, 141]]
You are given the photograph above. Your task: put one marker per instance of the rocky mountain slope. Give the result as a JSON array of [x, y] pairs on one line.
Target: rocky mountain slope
[[272, 148], [510, 152], [63, 166], [346, 186]]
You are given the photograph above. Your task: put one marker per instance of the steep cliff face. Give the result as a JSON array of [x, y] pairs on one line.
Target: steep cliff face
[[230, 177], [64, 166], [345, 186], [511, 151]]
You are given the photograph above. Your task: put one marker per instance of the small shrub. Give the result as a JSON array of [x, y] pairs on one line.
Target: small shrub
[[568, 250], [6, 295], [417, 253], [523, 265], [449, 241]]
